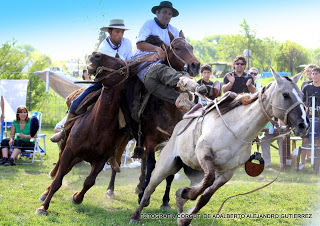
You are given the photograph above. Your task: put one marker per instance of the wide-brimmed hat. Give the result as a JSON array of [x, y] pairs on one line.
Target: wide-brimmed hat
[[115, 23], [165, 4]]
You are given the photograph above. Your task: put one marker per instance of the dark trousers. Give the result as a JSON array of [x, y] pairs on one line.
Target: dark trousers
[[161, 81], [75, 103]]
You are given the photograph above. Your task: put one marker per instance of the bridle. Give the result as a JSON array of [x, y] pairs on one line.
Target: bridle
[[287, 111], [185, 67], [123, 70]]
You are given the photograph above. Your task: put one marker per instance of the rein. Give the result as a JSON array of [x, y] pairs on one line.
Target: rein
[[124, 71]]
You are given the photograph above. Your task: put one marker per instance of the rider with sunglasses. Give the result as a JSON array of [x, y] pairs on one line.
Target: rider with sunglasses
[[238, 81]]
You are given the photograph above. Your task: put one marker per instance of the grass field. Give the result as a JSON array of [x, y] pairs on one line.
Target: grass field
[[22, 185]]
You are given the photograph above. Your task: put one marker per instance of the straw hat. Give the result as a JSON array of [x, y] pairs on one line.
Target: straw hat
[[115, 23]]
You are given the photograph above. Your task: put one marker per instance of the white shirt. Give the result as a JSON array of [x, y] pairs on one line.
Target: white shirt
[[151, 28], [124, 51]]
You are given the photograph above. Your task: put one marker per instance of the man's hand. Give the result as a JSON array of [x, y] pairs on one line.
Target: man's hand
[[249, 82], [161, 54], [153, 57], [230, 77]]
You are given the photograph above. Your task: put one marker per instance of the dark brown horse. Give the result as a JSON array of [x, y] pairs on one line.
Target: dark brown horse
[[94, 136], [159, 117]]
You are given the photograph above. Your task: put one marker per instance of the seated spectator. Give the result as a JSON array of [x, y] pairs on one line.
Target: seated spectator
[[311, 89], [20, 128]]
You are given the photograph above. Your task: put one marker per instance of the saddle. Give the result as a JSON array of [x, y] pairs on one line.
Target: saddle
[[198, 110]]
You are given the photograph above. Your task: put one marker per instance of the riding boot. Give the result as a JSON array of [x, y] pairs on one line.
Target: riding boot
[[66, 127], [114, 164], [183, 102]]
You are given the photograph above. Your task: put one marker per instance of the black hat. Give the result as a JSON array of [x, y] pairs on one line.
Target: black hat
[[165, 4]]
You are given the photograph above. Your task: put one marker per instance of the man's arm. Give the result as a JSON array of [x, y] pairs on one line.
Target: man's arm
[[144, 46], [228, 82]]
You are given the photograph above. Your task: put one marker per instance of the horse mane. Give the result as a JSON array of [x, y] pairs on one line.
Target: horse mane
[[241, 99], [154, 40]]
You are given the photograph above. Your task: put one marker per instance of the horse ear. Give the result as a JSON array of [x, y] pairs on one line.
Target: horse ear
[[181, 34], [171, 36], [297, 77], [276, 76], [117, 55]]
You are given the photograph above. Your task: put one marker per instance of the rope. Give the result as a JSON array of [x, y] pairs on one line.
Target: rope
[[246, 193]]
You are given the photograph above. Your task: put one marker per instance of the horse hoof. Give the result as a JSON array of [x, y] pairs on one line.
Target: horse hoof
[[138, 190], [42, 198], [109, 194], [74, 201], [184, 222], [41, 212], [165, 207], [133, 221]]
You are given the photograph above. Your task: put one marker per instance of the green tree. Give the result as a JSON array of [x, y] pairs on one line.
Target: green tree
[[290, 55], [230, 46], [20, 62]]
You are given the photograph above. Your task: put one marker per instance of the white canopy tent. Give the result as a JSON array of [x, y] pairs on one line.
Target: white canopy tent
[[62, 84]]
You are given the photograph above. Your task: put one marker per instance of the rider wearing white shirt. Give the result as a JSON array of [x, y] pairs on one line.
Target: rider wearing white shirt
[[160, 79], [152, 27], [124, 49]]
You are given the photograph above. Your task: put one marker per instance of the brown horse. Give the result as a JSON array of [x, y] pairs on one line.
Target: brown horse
[[87, 140], [159, 117]]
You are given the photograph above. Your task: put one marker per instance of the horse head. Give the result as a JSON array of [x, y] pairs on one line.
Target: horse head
[[180, 56], [107, 69], [287, 105]]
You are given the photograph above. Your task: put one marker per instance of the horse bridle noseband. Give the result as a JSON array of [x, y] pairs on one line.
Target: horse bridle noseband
[[287, 111]]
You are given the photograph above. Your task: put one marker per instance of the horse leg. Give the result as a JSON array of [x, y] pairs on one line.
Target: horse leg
[[53, 172], [205, 197], [206, 161], [142, 176], [110, 190], [195, 177], [73, 162], [65, 159], [167, 165], [96, 168], [123, 143], [166, 198], [151, 162]]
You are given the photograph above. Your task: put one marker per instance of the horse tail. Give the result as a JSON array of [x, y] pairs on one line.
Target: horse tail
[[160, 146]]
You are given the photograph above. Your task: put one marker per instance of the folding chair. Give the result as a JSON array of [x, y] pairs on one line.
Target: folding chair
[[37, 148]]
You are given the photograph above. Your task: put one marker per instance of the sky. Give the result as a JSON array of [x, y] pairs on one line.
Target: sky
[[64, 29]]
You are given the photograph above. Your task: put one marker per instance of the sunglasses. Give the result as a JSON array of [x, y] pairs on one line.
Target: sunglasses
[[252, 73], [240, 64]]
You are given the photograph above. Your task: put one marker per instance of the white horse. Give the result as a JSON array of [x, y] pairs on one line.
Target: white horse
[[224, 142]]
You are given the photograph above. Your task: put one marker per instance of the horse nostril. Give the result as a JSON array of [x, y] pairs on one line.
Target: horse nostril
[[301, 126]]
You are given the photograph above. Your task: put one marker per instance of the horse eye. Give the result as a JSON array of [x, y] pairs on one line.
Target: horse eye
[[286, 95], [176, 49]]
